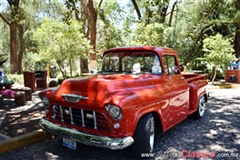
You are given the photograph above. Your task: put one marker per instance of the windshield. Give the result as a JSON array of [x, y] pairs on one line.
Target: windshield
[[131, 62]]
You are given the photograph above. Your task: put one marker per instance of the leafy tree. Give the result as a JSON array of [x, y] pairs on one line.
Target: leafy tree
[[151, 34], [85, 11], [36, 11], [153, 11], [218, 51], [14, 19], [59, 41], [111, 28], [182, 25], [198, 20], [4, 47], [20, 16]]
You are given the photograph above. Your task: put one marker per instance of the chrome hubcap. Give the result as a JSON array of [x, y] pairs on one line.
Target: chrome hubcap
[[151, 139], [201, 106]]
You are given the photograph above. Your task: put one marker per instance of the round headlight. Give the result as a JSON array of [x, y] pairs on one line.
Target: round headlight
[[45, 101], [114, 111]]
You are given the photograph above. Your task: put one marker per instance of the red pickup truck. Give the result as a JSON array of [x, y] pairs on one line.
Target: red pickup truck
[[138, 90]]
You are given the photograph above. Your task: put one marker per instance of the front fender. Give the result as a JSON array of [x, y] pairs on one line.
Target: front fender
[[134, 107]]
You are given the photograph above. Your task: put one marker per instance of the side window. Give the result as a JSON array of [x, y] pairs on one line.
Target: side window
[[170, 65]]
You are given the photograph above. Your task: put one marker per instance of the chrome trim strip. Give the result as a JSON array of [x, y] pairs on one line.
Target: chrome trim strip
[[80, 117], [54, 111], [76, 98], [70, 110], [83, 123], [95, 121], [86, 138], [61, 113]]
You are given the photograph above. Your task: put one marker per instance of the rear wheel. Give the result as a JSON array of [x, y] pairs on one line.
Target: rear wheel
[[201, 108], [144, 136]]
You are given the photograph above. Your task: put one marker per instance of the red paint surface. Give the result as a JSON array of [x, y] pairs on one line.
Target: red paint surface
[[171, 97]]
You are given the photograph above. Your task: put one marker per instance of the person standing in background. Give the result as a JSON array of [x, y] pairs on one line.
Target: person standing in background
[[234, 64]]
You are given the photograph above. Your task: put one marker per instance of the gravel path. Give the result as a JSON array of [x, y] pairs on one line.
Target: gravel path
[[216, 135]]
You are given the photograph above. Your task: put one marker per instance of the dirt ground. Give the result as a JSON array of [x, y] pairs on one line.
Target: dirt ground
[[19, 124]]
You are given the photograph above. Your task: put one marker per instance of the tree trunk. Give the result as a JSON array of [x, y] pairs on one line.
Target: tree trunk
[[214, 74], [84, 17], [163, 14], [84, 65], [15, 59], [13, 48], [71, 67], [22, 49], [62, 70], [237, 41], [150, 14], [93, 33], [93, 21]]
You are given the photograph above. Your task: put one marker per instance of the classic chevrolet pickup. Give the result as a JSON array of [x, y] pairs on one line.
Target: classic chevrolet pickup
[[138, 90]]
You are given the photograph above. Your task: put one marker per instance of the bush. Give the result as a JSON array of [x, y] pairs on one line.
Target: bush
[[16, 78], [61, 79]]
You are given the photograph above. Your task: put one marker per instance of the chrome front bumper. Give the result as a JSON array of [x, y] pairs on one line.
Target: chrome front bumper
[[86, 138]]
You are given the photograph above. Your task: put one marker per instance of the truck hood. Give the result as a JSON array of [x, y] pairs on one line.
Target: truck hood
[[93, 91]]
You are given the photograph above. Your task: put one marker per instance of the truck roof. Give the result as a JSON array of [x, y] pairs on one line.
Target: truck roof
[[159, 50]]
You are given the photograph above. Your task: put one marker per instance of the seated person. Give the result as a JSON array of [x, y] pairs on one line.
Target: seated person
[[156, 68], [175, 69]]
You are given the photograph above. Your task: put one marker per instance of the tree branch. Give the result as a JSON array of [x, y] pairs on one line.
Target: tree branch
[[208, 26], [4, 19], [75, 11], [137, 9], [212, 9], [173, 8], [10, 2], [100, 3]]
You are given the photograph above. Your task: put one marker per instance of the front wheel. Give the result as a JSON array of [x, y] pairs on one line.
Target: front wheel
[[144, 136], [201, 108]]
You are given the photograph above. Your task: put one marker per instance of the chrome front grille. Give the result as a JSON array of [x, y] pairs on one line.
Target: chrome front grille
[[80, 117]]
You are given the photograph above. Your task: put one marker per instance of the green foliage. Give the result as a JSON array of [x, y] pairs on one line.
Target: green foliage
[[197, 20], [112, 38], [117, 25], [16, 78], [61, 42], [31, 60], [151, 34], [218, 51], [4, 42], [237, 18]]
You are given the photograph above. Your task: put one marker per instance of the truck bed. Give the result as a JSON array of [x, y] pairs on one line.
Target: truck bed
[[193, 77]]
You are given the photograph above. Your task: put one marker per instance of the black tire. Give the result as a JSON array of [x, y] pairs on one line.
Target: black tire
[[201, 108], [144, 136]]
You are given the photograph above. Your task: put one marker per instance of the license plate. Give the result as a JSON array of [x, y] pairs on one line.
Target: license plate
[[70, 144]]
